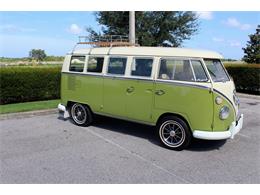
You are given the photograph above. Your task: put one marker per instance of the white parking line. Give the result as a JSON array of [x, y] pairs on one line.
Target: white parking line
[[243, 135], [139, 156]]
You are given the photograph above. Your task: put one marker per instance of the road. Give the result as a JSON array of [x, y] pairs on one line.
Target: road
[[47, 149]]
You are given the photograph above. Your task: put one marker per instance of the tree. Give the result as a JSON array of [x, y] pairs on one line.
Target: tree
[[152, 28], [252, 49], [37, 54]]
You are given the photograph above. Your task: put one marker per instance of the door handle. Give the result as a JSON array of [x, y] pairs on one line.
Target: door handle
[[159, 92], [130, 89]]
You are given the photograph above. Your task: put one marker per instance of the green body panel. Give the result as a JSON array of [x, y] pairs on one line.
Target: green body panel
[[82, 88], [111, 96], [222, 125], [193, 103], [114, 96], [139, 100]]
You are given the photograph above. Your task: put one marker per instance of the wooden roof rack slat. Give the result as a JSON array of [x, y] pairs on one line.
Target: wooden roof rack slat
[[104, 41]]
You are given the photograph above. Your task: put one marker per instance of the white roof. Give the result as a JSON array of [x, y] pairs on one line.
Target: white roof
[[149, 51]]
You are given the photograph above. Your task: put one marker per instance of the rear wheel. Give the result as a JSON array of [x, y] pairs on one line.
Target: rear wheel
[[174, 133], [81, 114]]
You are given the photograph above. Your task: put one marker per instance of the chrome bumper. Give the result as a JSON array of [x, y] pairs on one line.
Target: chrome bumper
[[63, 111], [234, 128]]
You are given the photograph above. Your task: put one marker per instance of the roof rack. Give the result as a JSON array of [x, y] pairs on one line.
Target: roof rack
[[105, 41]]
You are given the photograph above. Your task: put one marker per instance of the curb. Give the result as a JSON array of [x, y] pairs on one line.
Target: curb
[[19, 115], [244, 95]]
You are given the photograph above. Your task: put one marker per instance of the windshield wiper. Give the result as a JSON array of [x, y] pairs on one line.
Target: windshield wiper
[[211, 72]]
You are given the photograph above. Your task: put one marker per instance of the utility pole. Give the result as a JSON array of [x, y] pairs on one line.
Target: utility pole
[[132, 27]]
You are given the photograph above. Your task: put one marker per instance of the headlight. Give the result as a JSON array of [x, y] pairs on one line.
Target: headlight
[[224, 113], [218, 100]]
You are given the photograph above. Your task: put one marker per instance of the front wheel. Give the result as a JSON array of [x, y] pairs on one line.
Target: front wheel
[[81, 114], [174, 133]]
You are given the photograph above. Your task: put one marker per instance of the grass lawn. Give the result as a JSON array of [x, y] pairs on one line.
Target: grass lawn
[[28, 106]]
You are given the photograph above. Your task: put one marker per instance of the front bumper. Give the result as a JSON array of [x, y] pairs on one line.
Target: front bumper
[[63, 111], [234, 128]]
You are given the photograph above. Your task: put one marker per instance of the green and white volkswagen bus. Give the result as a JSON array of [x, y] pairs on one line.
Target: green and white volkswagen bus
[[185, 93]]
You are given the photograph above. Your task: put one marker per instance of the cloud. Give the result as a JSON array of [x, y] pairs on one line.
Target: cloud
[[233, 22], [230, 43], [216, 39], [234, 43], [10, 28], [75, 29], [245, 26], [205, 15]]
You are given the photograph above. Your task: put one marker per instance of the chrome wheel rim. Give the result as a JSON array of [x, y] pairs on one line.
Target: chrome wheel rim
[[172, 133], [79, 114]]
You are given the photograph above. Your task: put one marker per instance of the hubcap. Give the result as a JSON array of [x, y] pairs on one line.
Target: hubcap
[[172, 133], [78, 113]]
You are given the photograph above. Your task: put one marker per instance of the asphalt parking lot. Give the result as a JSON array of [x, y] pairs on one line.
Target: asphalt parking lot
[[47, 149]]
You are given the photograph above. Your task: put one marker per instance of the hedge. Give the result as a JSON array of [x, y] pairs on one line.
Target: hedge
[[247, 79], [24, 84]]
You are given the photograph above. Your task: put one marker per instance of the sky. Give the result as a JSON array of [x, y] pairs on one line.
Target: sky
[[57, 32]]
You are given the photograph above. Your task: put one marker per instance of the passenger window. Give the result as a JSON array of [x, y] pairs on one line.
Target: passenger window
[[95, 64], [175, 69], [77, 63], [117, 66], [166, 69], [142, 67], [199, 71]]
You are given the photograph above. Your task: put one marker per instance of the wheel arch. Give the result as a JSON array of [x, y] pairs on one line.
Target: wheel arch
[[70, 103], [176, 115]]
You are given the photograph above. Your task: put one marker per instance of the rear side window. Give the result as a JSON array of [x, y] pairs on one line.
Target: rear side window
[[176, 69], [199, 71], [117, 65], [142, 67], [95, 64], [77, 63]]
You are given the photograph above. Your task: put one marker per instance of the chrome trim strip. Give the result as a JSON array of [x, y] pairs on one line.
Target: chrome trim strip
[[183, 84], [224, 97], [230, 102], [141, 79], [128, 78], [110, 76], [83, 74]]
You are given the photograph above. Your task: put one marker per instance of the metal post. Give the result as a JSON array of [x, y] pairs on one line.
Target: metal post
[[132, 27]]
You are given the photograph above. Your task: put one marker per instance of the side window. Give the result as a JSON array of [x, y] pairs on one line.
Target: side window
[[77, 63], [183, 71], [166, 69], [142, 67], [95, 64], [175, 69], [199, 71], [116, 65]]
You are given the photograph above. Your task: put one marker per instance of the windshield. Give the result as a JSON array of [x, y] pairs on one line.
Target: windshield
[[216, 70]]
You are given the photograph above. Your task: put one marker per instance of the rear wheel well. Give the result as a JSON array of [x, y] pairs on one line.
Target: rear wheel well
[[70, 103], [173, 114]]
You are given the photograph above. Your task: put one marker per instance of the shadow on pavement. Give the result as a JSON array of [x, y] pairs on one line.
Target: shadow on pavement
[[149, 133], [200, 145]]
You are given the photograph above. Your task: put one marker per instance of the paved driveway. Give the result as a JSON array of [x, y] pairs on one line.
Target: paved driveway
[[46, 149]]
